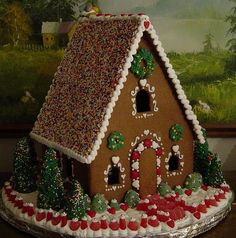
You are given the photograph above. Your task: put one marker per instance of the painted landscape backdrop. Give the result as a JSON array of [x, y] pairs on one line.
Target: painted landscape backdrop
[[199, 36]]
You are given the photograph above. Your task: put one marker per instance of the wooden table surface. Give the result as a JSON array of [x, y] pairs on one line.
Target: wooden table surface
[[226, 228]]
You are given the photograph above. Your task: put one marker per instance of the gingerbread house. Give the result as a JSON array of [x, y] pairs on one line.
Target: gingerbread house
[[117, 111]]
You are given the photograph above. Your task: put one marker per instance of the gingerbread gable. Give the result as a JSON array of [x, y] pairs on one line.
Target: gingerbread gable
[[88, 83]]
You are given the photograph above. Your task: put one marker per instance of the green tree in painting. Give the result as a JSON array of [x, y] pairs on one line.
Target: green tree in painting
[[207, 43], [232, 30], [17, 23]]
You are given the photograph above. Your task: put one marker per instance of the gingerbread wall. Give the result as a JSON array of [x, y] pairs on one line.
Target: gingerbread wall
[[170, 112]]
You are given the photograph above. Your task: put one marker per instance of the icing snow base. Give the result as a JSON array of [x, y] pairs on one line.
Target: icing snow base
[[29, 213]]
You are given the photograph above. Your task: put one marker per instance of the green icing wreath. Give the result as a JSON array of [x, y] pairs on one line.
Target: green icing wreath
[[116, 140], [147, 70], [176, 132]]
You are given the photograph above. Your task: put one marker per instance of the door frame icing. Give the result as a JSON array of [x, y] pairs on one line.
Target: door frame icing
[[149, 141]]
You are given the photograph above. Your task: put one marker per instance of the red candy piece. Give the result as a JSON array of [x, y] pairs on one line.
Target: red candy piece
[[135, 155], [30, 211], [91, 213], [147, 143], [162, 217], [111, 210], [124, 206], [171, 223], [146, 24], [122, 224], [104, 224], [190, 208], [95, 225], [133, 225], [134, 174], [202, 208], [114, 225], [144, 222], [204, 187], [158, 171], [63, 221], [40, 216], [188, 192], [159, 152], [56, 220], [49, 216], [83, 224], [153, 222], [74, 225], [197, 215]]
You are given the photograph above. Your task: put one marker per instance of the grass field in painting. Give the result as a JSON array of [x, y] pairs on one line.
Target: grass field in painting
[[203, 76]]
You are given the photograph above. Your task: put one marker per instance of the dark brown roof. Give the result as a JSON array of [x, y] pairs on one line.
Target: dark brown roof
[[72, 115]]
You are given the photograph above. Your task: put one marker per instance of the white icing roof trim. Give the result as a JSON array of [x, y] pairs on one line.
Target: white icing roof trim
[[133, 50]]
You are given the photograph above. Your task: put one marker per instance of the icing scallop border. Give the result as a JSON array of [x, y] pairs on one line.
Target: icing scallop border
[[133, 50]]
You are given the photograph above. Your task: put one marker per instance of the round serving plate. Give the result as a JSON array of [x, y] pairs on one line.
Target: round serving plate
[[187, 231]]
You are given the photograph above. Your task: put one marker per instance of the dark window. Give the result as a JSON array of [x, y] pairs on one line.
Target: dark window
[[174, 162], [69, 168], [113, 176], [143, 101]]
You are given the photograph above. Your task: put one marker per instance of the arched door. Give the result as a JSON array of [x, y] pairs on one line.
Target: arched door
[[145, 167]]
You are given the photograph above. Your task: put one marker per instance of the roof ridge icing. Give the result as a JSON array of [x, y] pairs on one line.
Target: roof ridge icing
[[144, 25]]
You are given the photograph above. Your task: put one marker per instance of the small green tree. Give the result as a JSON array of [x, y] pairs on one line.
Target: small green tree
[[164, 189], [214, 176], [50, 188], [24, 167], [132, 198], [75, 205], [99, 203], [207, 43], [193, 181]]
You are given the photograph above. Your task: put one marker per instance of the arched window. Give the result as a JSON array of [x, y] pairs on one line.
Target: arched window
[[173, 162], [143, 101], [113, 175]]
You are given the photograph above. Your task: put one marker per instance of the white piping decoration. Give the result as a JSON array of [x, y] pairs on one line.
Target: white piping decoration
[[115, 162], [175, 151], [133, 50]]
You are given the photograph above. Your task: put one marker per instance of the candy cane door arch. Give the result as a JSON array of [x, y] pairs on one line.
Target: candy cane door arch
[[145, 167]]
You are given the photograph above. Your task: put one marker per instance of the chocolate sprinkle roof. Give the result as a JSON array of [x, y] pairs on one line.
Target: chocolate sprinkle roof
[[83, 85], [87, 84]]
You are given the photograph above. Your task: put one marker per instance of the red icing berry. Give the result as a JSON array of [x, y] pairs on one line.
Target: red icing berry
[[213, 202], [49, 216], [202, 208], [147, 143], [40, 216], [162, 217], [56, 220], [74, 225], [171, 223], [159, 152], [197, 215], [30, 211], [190, 208], [221, 195], [63, 221], [135, 155], [104, 224], [91, 213], [225, 188], [114, 225], [122, 224], [111, 210], [124, 206], [146, 24], [95, 225], [83, 224], [153, 222], [134, 174], [144, 222], [19, 204], [204, 187], [133, 225], [24, 208], [158, 171], [188, 192]]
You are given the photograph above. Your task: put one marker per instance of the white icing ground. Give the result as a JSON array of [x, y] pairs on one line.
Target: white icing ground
[[131, 215]]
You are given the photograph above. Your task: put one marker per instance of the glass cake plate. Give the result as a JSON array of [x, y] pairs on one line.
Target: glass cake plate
[[186, 231]]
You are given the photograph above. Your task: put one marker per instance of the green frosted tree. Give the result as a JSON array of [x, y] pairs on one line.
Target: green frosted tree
[[24, 166], [50, 188], [214, 176], [99, 203], [132, 198], [193, 181], [75, 205], [115, 204], [164, 189]]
